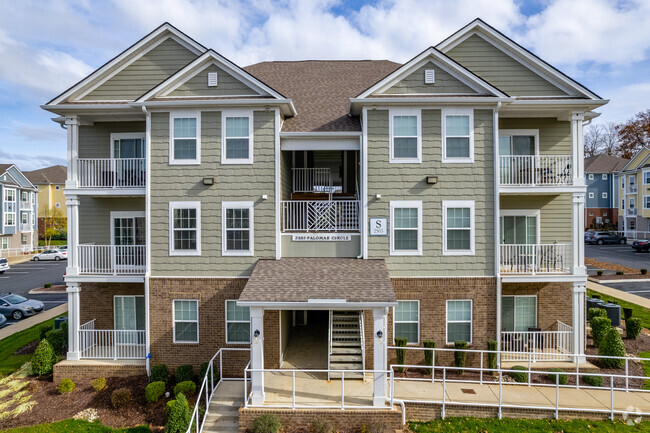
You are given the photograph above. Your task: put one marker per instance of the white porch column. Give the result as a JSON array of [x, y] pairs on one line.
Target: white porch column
[[73, 236], [579, 292], [257, 355], [72, 124], [379, 355], [578, 146], [578, 226], [74, 318]]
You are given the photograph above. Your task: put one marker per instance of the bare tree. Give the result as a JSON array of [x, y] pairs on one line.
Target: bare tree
[[594, 140], [610, 138]]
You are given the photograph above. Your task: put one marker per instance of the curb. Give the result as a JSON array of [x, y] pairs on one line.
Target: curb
[[630, 280], [628, 297]]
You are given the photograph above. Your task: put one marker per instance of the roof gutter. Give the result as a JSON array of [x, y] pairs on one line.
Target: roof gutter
[[302, 305], [290, 109], [357, 103]]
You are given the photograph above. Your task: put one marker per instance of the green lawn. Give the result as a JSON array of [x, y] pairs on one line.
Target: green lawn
[[73, 426], [52, 242], [490, 425], [10, 363], [639, 311]]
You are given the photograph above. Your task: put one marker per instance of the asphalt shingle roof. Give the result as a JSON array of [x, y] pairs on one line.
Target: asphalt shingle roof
[[56, 174], [604, 163]]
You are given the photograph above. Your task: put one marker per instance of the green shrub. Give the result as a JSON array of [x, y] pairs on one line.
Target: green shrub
[[204, 370], [168, 406], [121, 397], [98, 384], [184, 373], [401, 353], [599, 272], [460, 357], [627, 313], [47, 285], [644, 271], [592, 380], [42, 330], [492, 357], [620, 272], [178, 415], [65, 386], [267, 423], [320, 426], [188, 388], [596, 312], [563, 379], [428, 354], [57, 339], [154, 391], [612, 345], [43, 358], [633, 327], [159, 373], [599, 327], [517, 375]]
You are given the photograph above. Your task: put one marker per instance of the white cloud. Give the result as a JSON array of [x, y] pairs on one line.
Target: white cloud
[[625, 102]]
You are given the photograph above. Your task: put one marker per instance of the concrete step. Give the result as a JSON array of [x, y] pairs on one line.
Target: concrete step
[[223, 417], [347, 366], [346, 350], [209, 428], [224, 405], [344, 358], [346, 343]]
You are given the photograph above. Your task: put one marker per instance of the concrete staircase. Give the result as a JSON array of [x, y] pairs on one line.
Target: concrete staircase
[[223, 416], [346, 343]]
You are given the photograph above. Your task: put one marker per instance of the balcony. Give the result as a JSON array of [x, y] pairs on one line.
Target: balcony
[[537, 345], [535, 170], [25, 227], [535, 259], [25, 205], [320, 215], [112, 259], [631, 189], [110, 343], [111, 173], [630, 211]]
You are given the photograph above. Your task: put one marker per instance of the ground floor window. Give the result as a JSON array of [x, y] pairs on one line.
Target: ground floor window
[[459, 321], [5, 243], [518, 313], [186, 321], [406, 320], [238, 323], [25, 239]]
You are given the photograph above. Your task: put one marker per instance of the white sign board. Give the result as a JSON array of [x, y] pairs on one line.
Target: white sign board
[[321, 237], [378, 226]]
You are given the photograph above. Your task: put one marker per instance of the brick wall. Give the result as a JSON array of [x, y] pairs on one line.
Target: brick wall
[[88, 370], [554, 301], [96, 301]]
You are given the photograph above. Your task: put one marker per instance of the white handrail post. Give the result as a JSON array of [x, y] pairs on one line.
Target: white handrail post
[[529, 367], [577, 361], [115, 345], [500, 390], [392, 387], [611, 387], [444, 390], [627, 389], [220, 366], [342, 389], [481, 373], [293, 389], [433, 366], [557, 395], [245, 388]]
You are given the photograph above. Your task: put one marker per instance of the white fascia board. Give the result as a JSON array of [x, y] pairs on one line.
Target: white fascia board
[[285, 105], [430, 102], [334, 305], [104, 278], [333, 134]]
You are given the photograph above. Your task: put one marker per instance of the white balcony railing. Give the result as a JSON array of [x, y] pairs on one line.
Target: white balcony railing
[[25, 227], [541, 345], [111, 173], [25, 205], [112, 259], [632, 189], [535, 259], [320, 215], [630, 211], [110, 343], [312, 180], [535, 170]]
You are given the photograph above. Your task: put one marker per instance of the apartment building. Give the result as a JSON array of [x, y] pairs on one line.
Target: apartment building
[[602, 191], [328, 206], [633, 186], [18, 210], [50, 182]]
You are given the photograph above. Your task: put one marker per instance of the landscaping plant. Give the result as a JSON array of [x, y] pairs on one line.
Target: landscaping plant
[[43, 358], [592, 380], [599, 327], [612, 345], [633, 327], [121, 397], [98, 384], [517, 375], [644, 271], [460, 356], [562, 379], [66, 386], [43, 329], [184, 373], [47, 285], [600, 272], [320, 426], [267, 423], [154, 391], [627, 313], [57, 340], [159, 373], [428, 354], [188, 388], [204, 370], [596, 312], [401, 353], [178, 415], [620, 272], [492, 357]]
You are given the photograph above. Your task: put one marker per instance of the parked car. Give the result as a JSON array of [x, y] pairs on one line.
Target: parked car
[[51, 255], [3, 321], [641, 245], [17, 307], [4, 265], [604, 238]]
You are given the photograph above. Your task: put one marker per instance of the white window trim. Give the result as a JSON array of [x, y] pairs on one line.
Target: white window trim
[[514, 306], [471, 320], [226, 321], [127, 135], [591, 195], [645, 197], [405, 112], [185, 205], [119, 214], [5, 244], [632, 180], [22, 217], [410, 321], [238, 205], [522, 132], [237, 113], [405, 204], [644, 178], [472, 227], [185, 321], [522, 212], [184, 114], [604, 176], [115, 309], [591, 176], [7, 191], [632, 203], [6, 219], [455, 112], [604, 195]]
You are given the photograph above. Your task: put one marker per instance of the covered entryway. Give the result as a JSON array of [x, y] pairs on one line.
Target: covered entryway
[[304, 338]]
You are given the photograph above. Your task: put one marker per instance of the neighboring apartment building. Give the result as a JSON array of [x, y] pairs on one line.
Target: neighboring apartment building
[[601, 210], [50, 182], [211, 205], [18, 210], [633, 184]]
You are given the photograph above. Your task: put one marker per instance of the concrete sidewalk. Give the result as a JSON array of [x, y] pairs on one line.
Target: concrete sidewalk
[[19, 259], [629, 297], [33, 320]]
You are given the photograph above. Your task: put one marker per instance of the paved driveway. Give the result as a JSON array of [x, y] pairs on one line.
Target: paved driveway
[[622, 255]]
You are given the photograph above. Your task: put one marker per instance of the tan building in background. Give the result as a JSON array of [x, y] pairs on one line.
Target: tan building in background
[[51, 201]]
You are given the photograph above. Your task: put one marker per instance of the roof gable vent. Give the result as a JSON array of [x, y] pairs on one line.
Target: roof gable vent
[[429, 76], [212, 79]]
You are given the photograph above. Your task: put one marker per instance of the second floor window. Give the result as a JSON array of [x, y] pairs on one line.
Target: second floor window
[[457, 136], [185, 228], [646, 177], [10, 195], [25, 218], [10, 219], [237, 140], [406, 227], [185, 146], [646, 202], [25, 197], [458, 227], [405, 137], [237, 228]]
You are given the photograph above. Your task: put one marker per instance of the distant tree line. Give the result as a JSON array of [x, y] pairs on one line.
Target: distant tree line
[[623, 139]]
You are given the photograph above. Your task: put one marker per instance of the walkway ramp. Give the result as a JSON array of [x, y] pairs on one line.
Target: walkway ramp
[[223, 416]]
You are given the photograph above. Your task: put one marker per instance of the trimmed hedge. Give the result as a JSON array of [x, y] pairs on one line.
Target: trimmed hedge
[[66, 386], [98, 384], [43, 329], [599, 327], [159, 373], [184, 373], [121, 397], [612, 345], [596, 312], [178, 415], [43, 358], [492, 357], [592, 380], [187, 387], [428, 354], [563, 379], [633, 327], [58, 340], [267, 423], [401, 353], [460, 357], [154, 391], [517, 376]]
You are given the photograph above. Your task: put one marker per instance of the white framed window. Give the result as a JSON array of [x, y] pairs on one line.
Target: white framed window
[[24, 217], [185, 228], [604, 195], [57, 187], [10, 195], [459, 320], [604, 176], [33, 197], [406, 228], [237, 228], [129, 144], [646, 177], [458, 135], [632, 203], [406, 321], [185, 137], [623, 204], [24, 196], [591, 176], [591, 195], [238, 323], [129, 315], [186, 320], [10, 219], [24, 239], [646, 202], [632, 180], [623, 182], [519, 313], [5, 243], [405, 129], [458, 224], [237, 137], [519, 227]]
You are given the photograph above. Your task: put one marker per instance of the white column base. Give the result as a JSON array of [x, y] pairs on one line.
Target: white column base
[[73, 356], [74, 321], [379, 356], [579, 324]]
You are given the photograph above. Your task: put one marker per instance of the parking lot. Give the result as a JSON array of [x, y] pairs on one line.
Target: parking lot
[[622, 255]]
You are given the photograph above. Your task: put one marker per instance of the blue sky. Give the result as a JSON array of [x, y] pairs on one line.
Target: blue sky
[[47, 46]]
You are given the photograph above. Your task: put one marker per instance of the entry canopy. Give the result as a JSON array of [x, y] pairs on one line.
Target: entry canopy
[[319, 283]]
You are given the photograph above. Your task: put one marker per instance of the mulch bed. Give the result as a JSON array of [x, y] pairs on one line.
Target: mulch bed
[[27, 349], [612, 267], [60, 288]]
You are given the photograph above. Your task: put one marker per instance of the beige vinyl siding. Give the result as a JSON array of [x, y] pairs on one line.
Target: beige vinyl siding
[[554, 136], [455, 182], [95, 216], [444, 83], [501, 70], [227, 85], [95, 140], [144, 74], [555, 214], [638, 159], [232, 183]]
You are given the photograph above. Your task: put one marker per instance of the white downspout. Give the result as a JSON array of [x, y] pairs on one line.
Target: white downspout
[[497, 217], [147, 273]]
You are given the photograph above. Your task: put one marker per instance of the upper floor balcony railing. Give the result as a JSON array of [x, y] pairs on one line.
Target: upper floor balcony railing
[[112, 259], [25, 227], [631, 189], [25, 205], [312, 180], [320, 215], [535, 170], [630, 211], [535, 258], [118, 173]]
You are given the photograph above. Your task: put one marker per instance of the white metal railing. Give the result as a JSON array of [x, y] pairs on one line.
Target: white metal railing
[[535, 170], [25, 227], [111, 172], [539, 345], [631, 235], [535, 258], [320, 215], [110, 343], [631, 189], [26, 205], [112, 259], [631, 211], [312, 180], [25, 249]]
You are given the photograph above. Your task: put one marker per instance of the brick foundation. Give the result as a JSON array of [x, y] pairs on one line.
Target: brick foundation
[[88, 370]]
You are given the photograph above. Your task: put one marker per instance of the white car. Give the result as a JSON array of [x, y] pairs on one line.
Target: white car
[[4, 265], [51, 255]]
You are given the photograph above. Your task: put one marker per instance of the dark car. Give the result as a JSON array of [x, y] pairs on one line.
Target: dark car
[[604, 238], [641, 245], [17, 307]]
